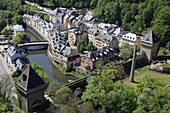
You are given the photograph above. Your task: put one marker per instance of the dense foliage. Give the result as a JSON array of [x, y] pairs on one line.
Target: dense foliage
[[109, 97], [18, 39], [126, 51], [11, 12], [6, 92], [39, 69]]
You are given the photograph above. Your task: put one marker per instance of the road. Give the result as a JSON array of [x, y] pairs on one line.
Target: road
[[3, 66]]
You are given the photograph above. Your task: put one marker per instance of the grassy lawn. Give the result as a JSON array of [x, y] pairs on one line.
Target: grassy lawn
[[76, 74], [165, 65], [164, 79]]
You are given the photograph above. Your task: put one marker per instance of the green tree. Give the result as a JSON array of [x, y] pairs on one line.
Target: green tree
[[168, 45], [41, 72], [115, 97], [152, 101], [86, 107], [18, 39], [2, 24], [126, 51], [90, 46], [80, 46], [65, 101], [5, 32], [17, 19], [52, 88], [18, 110], [6, 85]]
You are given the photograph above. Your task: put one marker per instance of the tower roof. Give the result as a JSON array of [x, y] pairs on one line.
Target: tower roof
[[150, 38], [29, 79]]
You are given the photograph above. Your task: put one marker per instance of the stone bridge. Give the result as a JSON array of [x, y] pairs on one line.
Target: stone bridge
[[80, 83]]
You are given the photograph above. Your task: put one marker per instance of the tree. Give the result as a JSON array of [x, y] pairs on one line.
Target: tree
[[17, 19], [126, 51], [52, 88], [80, 46], [65, 101], [86, 107], [6, 85], [152, 101], [5, 32], [115, 97], [41, 72], [2, 24], [18, 110], [90, 46], [168, 45], [18, 39]]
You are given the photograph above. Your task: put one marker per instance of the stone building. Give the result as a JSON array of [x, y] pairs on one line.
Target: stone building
[[149, 46], [75, 35], [30, 87], [98, 58]]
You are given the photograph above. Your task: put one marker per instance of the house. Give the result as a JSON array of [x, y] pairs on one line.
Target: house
[[105, 28], [12, 54], [19, 64], [94, 23], [92, 33], [75, 35], [68, 21], [18, 29], [105, 40], [57, 15], [65, 55], [97, 58], [129, 38]]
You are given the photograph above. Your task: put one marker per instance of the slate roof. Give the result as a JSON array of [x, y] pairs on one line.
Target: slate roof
[[88, 17], [18, 28], [101, 53], [150, 38], [31, 81], [104, 38]]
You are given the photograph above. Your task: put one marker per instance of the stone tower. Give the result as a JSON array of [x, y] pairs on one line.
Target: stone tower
[[30, 87], [149, 46]]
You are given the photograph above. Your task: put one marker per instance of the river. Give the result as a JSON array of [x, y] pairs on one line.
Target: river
[[40, 57]]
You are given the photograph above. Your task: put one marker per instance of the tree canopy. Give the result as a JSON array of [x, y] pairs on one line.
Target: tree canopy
[[41, 72], [18, 39]]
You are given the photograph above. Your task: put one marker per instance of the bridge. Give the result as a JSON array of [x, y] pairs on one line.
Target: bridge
[[80, 83], [33, 44]]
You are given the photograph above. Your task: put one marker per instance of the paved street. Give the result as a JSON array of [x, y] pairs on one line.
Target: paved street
[[3, 66]]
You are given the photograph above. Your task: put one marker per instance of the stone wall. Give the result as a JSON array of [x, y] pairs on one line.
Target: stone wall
[[140, 62], [159, 68]]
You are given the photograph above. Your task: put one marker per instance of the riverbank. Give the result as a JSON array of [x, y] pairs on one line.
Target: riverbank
[[72, 73]]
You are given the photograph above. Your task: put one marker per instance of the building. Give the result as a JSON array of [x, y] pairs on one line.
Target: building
[[105, 28], [149, 46], [12, 54], [19, 64], [96, 59], [105, 40], [129, 38], [65, 56], [15, 58], [18, 29], [30, 87], [75, 35]]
